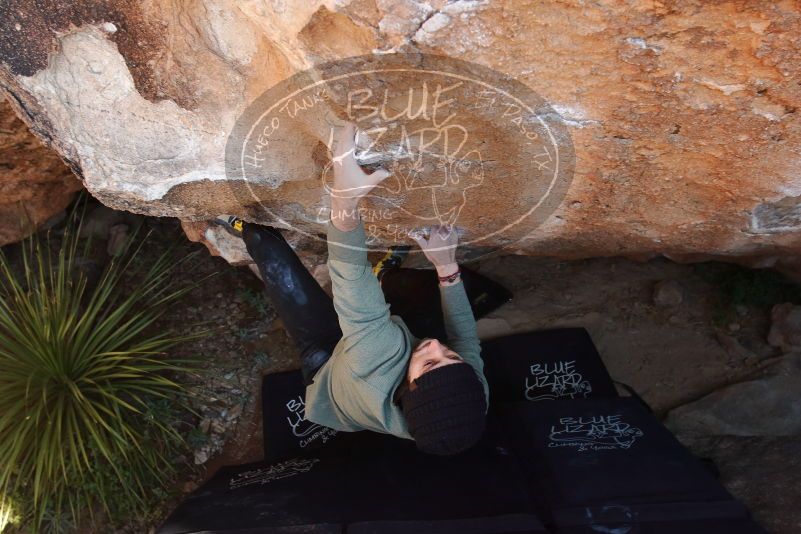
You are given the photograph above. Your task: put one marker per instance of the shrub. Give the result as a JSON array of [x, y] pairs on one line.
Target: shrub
[[8, 510], [82, 376], [736, 285]]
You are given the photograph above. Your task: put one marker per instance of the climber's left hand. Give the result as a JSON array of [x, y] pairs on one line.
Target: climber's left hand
[[351, 183]]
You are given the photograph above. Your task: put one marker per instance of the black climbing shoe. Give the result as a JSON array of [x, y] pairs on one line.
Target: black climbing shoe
[[391, 260], [233, 225]]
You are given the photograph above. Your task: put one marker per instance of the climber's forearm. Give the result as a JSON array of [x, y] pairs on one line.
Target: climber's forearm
[[344, 213]]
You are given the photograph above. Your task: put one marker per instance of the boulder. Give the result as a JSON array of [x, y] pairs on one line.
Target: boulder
[[35, 185], [673, 127], [231, 248], [785, 326], [765, 406]]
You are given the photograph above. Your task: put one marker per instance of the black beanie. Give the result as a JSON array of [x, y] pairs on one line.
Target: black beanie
[[445, 413]]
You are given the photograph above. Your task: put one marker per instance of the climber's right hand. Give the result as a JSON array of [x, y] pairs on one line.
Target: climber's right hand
[[439, 246]]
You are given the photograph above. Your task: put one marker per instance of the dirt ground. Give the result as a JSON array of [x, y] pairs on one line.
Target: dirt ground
[[671, 354]]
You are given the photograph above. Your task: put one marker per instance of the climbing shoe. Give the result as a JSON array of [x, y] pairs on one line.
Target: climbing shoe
[[391, 260], [233, 225]]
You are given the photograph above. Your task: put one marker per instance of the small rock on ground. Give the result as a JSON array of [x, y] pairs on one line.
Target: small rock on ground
[[668, 293], [785, 328]]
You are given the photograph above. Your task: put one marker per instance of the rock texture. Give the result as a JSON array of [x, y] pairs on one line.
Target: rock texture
[[682, 114], [220, 243], [35, 184], [765, 406], [785, 327]]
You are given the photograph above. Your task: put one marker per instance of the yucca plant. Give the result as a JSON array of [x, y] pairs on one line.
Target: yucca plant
[[81, 368], [7, 512]]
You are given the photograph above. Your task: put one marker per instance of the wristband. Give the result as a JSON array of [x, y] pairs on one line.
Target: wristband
[[451, 277]]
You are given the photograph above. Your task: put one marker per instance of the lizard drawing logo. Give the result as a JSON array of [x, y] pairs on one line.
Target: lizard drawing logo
[[297, 418], [463, 145], [426, 171], [307, 431], [550, 381], [277, 471], [594, 433]]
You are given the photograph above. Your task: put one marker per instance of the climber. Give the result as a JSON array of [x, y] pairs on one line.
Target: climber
[[363, 368]]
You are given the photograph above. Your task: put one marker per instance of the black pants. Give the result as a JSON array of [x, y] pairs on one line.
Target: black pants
[[306, 310]]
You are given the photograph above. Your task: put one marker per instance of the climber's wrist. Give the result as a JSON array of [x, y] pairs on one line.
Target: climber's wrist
[[344, 213], [446, 269], [449, 274]]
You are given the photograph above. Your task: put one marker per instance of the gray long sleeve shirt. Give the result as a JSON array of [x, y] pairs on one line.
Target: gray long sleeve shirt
[[354, 389]]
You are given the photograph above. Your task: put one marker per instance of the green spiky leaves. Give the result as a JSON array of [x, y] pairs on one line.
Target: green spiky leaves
[[81, 366]]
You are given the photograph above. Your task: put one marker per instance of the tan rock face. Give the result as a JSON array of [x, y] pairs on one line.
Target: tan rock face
[[35, 184], [681, 116]]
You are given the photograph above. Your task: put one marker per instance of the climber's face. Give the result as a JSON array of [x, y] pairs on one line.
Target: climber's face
[[427, 355]]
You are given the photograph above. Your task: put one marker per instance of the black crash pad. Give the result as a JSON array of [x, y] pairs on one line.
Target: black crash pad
[[543, 365], [286, 430], [374, 481], [605, 461], [586, 462], [554, 364]]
